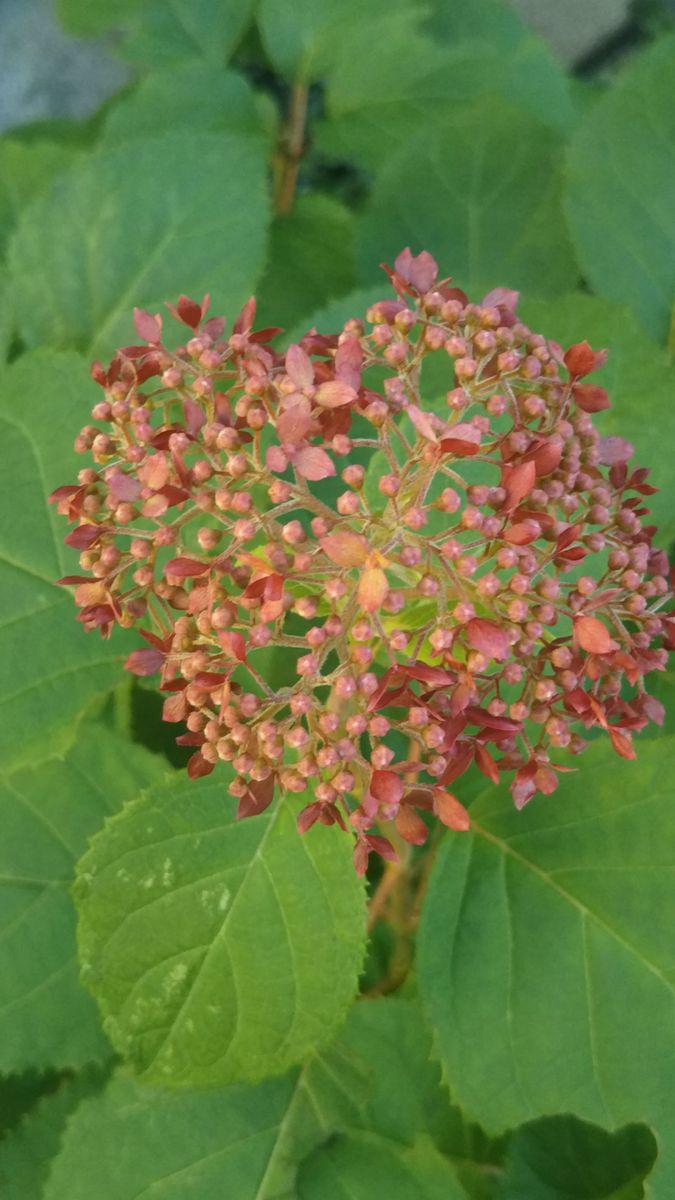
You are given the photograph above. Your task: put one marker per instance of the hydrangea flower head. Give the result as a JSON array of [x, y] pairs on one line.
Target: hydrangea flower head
[[460, 572]]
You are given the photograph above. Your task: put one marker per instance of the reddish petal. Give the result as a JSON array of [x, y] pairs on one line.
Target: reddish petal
[[448, 808], [185, 568], [198, 766], [488, 638], [346, 549], [144, 662], [410, 826], [313, 463], [373, 589], [148, 328], [299, 367], [335, 394], [386, 787], [592, 636], [590, 398], [233, 644]]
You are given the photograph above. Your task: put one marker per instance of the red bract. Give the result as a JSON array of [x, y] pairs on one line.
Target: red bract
[[485, 621]]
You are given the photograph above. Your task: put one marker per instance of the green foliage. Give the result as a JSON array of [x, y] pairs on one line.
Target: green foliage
[[224, 953], [621, 179], [484, 188], [353, 1167], [218, 950], [49, 810], [106, 252], [540, 927]]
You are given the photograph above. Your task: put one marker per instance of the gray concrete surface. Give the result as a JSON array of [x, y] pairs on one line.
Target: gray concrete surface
[[44, 73]]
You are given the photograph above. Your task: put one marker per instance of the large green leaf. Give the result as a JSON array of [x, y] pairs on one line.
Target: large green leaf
[[138, 1141], [26, 1154], [190, 95], [362, 1166], [49, 810], [621, 183], [26, 170], [301, 40], [546, 968], [639, 378], [218, 949], [311, 261], [562, 1158], [375, 105], [51, 667], [481, 191], [186, 212]]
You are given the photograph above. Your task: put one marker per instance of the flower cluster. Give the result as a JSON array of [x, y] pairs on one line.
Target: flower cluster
[[456, 579]]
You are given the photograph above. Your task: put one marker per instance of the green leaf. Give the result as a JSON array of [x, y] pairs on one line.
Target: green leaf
[[172, 1145], [300, 40], [26, 1155], [51, 667], [546, 971], [218, 949], [561, 1158], [360, 1166], [640, 381], [112, 234], [165, 31], [156, 32], [481, 191], [49, 810], [190, 95], [6, 317], [84, 19], [621, 181], [26, 170], [424, 69], [311, 261]]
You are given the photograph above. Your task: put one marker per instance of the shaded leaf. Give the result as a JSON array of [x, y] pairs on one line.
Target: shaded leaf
[[360, 1166], [49, 810], [26, 1155], [51, 667], [620, 185], [311, 259], [561, 1158]]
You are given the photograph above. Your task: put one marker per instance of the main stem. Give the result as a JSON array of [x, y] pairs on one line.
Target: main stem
[[291, 147]]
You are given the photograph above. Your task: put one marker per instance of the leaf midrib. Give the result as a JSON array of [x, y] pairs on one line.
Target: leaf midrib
[[582, 908]]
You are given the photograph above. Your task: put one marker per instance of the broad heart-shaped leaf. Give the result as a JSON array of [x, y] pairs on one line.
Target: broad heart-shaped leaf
[[160, 32], [360, 1166], [311, 261], [376, 1076], [184, 212], [544, 961], [166, 1144], [375, 105], [190, 95], [51, 668], [620, 187], [640, 381], [49, 810], [562, 1158], [26, 1154], [481, 191], [218, 949]]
